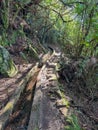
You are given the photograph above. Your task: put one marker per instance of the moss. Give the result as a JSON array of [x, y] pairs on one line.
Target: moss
[[7, 66], [8, 107]]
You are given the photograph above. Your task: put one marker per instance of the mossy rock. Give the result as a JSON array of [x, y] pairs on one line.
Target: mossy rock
[[7, 66]]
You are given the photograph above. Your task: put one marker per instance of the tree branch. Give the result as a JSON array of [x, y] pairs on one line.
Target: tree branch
[[59, 14], [71, 3]]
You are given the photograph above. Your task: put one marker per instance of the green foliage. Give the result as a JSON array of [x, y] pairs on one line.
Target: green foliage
[[88, 72], [4, 39], [69, 23], [7, 66], [73, 121], [5, 14], [72, 24]]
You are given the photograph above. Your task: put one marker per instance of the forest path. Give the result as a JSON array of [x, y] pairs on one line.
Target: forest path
[[44, 95], [43, 100], [44, 113]]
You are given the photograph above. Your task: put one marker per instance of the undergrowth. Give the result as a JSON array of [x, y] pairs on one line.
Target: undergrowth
[[73, 123]]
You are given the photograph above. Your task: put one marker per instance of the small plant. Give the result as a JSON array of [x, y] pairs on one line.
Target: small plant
[[73, 121], [5, 14], [7, 66]]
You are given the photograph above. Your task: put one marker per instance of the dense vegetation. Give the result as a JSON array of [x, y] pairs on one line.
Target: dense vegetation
[[71, 25]]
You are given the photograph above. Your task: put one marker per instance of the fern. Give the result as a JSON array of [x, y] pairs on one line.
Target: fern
[[74, 125]]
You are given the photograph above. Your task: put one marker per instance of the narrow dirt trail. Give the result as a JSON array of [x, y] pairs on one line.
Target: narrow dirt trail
[[43, 100], [44, 114], [37, 91]]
